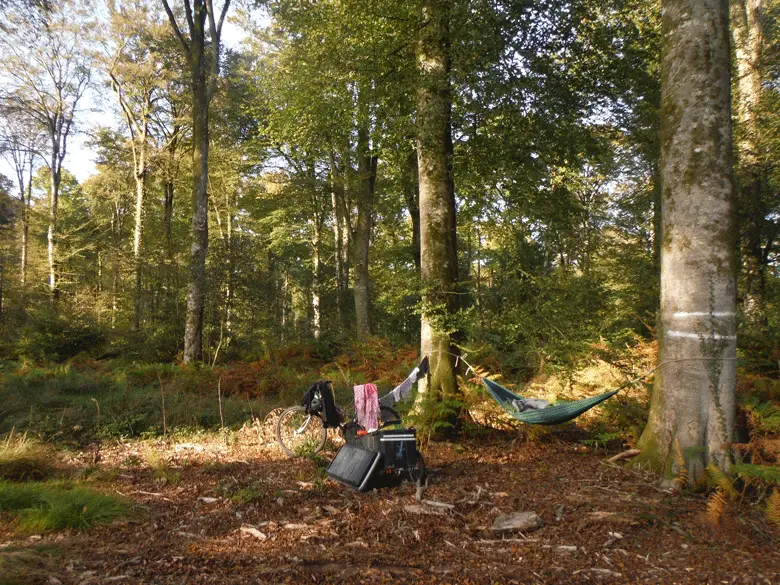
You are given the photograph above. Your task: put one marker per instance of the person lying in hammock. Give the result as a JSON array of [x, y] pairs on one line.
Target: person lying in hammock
[[522, 404]]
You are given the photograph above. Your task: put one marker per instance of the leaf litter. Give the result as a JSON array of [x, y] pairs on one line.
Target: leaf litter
[[244, 513]]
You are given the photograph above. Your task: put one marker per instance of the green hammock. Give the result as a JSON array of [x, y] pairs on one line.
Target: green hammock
[[552, 415]]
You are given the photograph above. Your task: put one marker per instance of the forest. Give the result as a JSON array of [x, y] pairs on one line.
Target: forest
[[208, 206]]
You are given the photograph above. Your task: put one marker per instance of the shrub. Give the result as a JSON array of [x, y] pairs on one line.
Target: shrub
[[58, 335]]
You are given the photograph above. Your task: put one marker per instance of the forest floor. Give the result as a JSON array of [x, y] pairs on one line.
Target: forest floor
[[231, 508]]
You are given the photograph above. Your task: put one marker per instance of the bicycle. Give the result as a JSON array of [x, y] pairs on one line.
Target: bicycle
[[300, 431]]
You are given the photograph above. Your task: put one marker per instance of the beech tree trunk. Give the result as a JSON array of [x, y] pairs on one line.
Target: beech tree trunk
[[316, 321], [342, 282], [412, 197], [204, 79], [196, 289], [693, 403], [367, 176], [54, 198], [168, 194], [438, 254], [25, 197], [319, 207], [748, 36], [140, 193]]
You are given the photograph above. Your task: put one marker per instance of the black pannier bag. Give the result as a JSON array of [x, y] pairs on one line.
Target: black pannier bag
[[397, 446], [318, 399]]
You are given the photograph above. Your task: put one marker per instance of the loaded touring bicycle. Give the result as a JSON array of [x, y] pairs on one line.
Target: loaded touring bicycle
[[378, 451]]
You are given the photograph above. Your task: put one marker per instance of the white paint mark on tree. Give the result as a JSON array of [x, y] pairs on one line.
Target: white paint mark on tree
[[683, 314], [687, 335]]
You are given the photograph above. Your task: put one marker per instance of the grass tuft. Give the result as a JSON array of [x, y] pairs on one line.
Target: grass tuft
[[47, 506], [24, 459]]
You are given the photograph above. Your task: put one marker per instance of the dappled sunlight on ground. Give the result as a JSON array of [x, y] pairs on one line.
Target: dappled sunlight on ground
[[231, 508]]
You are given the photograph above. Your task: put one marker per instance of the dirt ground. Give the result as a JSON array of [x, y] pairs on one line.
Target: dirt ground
[[239, 511]]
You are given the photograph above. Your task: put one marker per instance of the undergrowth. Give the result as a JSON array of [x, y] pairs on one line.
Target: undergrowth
[[37, 507], [86, 400], [30, 565], [24, 459], [755, 476]]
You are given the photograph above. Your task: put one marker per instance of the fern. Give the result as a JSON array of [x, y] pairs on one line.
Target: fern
[[722, 482], [764, 473], [773, 508], [716, 506], [767, 417], [682, 469]]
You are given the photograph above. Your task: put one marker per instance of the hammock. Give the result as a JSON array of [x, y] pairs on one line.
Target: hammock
[[552, 415]]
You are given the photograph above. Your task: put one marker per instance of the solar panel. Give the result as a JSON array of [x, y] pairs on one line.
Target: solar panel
[[354, 466]]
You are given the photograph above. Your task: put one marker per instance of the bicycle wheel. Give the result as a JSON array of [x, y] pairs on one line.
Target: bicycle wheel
[[417, 473], [300, 434]]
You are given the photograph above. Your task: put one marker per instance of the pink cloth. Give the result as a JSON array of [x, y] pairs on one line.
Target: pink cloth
[[367, 406]]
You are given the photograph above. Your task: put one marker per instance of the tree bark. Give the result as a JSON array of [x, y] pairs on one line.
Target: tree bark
[[204, 83], [196, 290], [54, 198], [26, 201], [367, 164], [692, 408], [140, 193], [438, 254], [316, 324], [342, 276], [412, 197], [748, 36], [168, 195]]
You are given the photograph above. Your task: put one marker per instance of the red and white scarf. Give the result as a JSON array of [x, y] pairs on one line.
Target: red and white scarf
[[367, 406]]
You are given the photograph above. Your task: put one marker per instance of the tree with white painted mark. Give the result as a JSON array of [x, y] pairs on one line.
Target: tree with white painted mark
[[693, 404]]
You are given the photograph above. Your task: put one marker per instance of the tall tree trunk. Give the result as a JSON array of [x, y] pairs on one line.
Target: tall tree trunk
[[367, 176], [229, 288], [203, 87], [748, 36], [315, 284], [2, 282], [196, 290], [412, 197], [657, 227], [54, 197], [438, 254], [347, 234], [168, 194], [115, 237], [25, 243], [342, 281], [692, 408], [140, 192]]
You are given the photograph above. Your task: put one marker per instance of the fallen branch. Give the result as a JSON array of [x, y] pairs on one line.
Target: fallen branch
[[505, 540], [436, 504], [625, 455]]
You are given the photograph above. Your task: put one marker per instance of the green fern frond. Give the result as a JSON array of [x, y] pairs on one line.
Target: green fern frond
[[763, 473], [722, 482]]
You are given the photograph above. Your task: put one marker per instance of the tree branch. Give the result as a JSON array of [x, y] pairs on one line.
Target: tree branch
[[175, 26]]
